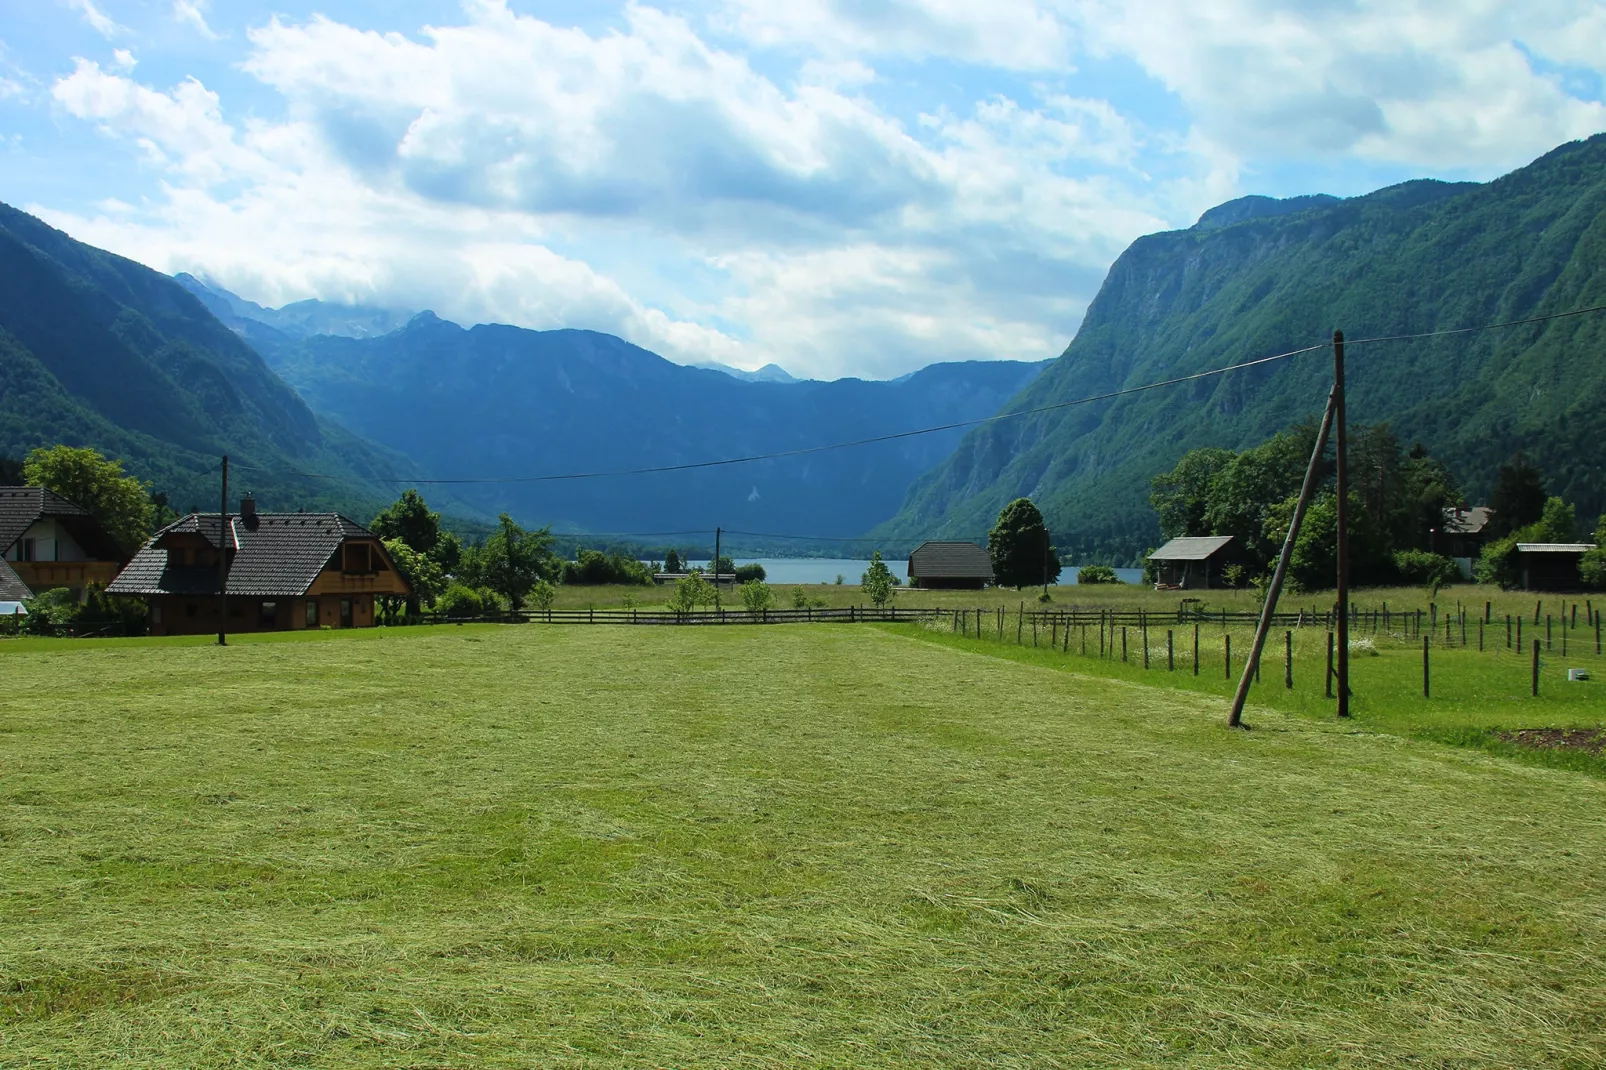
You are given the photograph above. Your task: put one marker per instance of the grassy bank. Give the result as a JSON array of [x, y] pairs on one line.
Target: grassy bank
[[759, 847]]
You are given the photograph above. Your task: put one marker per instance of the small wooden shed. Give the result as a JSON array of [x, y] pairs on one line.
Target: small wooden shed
[[950, 566], [1195, 562], [1551, 566]]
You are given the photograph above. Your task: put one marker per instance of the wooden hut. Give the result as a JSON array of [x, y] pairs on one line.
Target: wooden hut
[[950, 566], [1195, 562], [1551, 566]]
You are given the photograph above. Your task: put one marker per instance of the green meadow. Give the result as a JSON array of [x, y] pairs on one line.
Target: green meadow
[[806, 845]]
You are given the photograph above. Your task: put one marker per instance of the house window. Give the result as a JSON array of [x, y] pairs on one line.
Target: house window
[[312, 613], [359, 558], [345, 612], [27, 549], [270, 614], [156, 613]]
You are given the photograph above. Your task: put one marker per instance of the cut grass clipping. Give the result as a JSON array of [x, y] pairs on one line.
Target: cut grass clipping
[[746, 847]]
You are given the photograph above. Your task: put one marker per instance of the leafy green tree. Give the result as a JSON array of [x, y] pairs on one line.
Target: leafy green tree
[[1419, 567], [1181, 497], [542, 595], [1313, 565], [1243, 493], [120, 503], [691, 591], [1519, 496], [410, 520], [448, 553], [756, 596], [1558, 522], [877, 581], [749, 572], [594, 568], [513, 560], [1592, 569], [672, 562], [11, 472], [1020, 548], [459, 600], [724, 566], [422, 573]]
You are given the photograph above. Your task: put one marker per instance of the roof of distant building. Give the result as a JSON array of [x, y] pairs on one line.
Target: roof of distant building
[[12, 589], [952, 560], [275, 555], [1555, 547], [1467, 521], [1191, 548], [20, 507]]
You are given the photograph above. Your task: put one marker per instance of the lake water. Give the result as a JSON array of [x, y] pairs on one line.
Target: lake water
[[785, 570]]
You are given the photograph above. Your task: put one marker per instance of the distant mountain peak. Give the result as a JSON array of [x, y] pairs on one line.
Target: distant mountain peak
[[300, 319], [769, 373], [1258, 207]]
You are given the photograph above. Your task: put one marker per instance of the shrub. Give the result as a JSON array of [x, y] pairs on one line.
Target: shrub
[[1091, 574], [691, 592], [748, 573], [877, 582], [51, 612], [801, 600], [1420, 568], [756, 595], [459, 600], [543, 593], [592, 568]]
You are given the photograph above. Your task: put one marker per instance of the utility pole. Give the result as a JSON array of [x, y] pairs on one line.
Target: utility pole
[[1342, 488], [716, 567], [1047, 542], [223, 559]]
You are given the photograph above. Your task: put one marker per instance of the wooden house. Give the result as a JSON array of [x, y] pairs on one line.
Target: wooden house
[[950, 566], [1551, 566], [284, 571], [49, 542], [1196, 562], [1462, 535]]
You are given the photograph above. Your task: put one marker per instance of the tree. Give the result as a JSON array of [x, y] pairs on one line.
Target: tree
[[672, 562], [756, 596], [11, 472], [1592, 568], [1089, 575], [513, 560], [691, 591], [422, 573], [877, 582], [749, 572], [725, 565], [120, 503], [409, 519], [1519, 496], [1020, 548], [1181, 496]]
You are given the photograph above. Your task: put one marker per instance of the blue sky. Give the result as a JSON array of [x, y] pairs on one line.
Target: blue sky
[[843, 187]]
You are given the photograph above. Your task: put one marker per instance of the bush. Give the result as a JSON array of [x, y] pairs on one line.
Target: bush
[[748, 573], [691, 592], [1592, 569], [543, 594], [1420, 568], [51, 612], [459, 600], [1091, 574], [801, 600], [756, 595]]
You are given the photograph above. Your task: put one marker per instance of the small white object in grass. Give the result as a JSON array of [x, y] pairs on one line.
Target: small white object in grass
[[1577, 674], [1365, 646]]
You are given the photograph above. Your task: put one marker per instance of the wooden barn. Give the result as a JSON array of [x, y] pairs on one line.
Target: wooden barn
[[284, 571], [1551, 566], [1195, 562], [48, 542], [950, 566]]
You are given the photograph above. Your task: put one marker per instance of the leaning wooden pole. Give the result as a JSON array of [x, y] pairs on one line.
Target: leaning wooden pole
[[1306, 492]]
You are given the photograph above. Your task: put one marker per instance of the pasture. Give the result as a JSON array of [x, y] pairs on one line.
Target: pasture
[[784, 846]]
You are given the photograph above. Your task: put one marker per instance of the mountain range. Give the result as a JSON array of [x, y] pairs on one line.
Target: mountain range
[[1257, 277]]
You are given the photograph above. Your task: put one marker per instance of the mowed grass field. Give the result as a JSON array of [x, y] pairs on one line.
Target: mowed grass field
[[785, 846]]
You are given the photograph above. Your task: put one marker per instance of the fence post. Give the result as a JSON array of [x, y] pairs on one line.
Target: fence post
[[1123, 644], [1424, 666], [1145, 643], [1288, 660], [1480, 637], [1196, 648], [1067, 648], [1020, 622], [1536, 668], [1519, 635], [1170, 651], [1549, 634], [1227, 659], [1329, 664]]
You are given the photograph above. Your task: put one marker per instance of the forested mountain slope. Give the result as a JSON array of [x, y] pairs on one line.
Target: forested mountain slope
[[1258, 277], [496, 400], [101, 351]]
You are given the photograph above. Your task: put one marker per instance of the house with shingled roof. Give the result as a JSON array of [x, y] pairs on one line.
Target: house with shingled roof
[[283, 571], [950, 566], [49, 542]]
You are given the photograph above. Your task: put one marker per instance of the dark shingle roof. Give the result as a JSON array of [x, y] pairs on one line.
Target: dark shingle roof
[[1467, 521], [950, 560], [21, 506], [279, 556], [12, 589]]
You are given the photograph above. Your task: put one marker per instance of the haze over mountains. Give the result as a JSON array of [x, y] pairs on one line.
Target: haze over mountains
[[1257, 277]]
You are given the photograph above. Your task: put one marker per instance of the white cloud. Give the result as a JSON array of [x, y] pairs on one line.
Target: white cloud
[[97, 19], [123, 59], [193, 12]]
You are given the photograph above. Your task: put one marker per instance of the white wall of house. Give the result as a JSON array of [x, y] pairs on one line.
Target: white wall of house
[[50, 542]]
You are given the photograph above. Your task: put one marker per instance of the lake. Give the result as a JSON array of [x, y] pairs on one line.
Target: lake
[[785, 570]]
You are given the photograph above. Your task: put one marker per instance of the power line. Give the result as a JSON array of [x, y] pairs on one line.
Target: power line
[[956, 425]]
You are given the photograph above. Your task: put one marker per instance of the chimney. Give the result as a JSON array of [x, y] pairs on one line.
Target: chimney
[[248, 512]]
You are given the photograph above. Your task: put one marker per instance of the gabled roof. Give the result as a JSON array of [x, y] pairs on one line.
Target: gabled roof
[[273, 555], [1555, 547], [12, 589], [950, 560], [1191, 548], [21, 506]]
